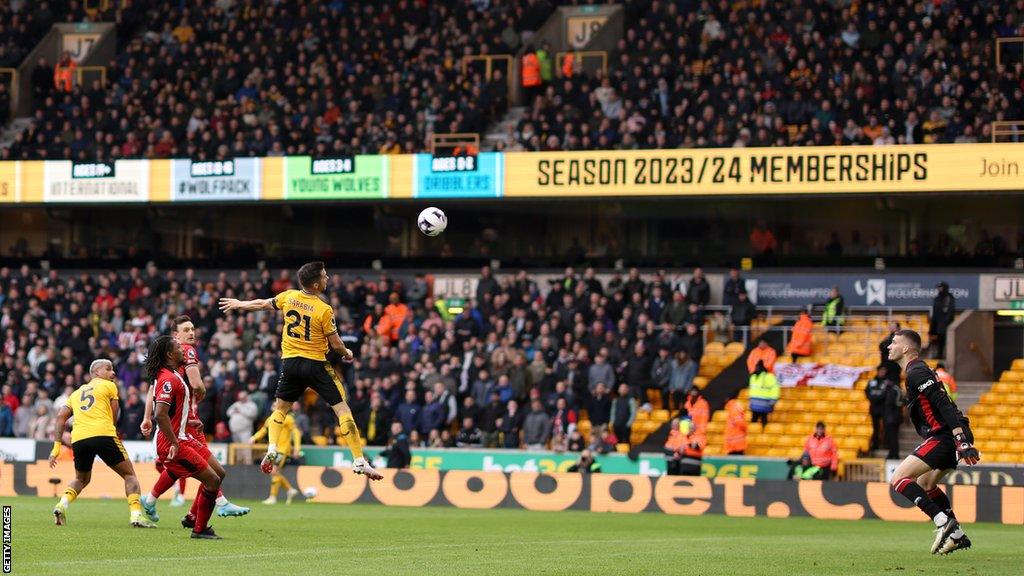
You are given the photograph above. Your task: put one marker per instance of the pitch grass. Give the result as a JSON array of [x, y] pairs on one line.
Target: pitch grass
[[322, 539]]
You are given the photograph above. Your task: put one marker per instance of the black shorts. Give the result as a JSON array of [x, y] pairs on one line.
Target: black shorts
[[939, 451], [108, 448], [297, 374]]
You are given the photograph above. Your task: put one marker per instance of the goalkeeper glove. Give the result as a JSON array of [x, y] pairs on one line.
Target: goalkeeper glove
[[966, 451]]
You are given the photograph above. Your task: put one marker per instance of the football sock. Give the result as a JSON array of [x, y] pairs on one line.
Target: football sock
[[181, 486], [912, 491], [284, 482], [941, 500], [221, 500], [347, 424], [275, 485], [195, 503], [206, 501], [133, 504], [69, 496], [163, 484], [274, 426]]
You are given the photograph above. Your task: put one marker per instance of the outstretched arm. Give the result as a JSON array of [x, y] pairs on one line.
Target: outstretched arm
[[58, 433], [229, 304]]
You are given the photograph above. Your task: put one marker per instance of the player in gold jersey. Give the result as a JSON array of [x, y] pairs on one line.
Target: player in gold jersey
[[293, 438], [94, 407], [309, 331]]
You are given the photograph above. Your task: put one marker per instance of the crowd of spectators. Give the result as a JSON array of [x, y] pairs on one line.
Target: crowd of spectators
[[513, 369], [243, 78], [721, 74], [240, 78]]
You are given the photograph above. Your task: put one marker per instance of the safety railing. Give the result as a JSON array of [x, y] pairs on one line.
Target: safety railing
[[490, 61], [12, 86], [582, 57], [81, 71], [1012, 49], [864, 470], [456, 143], [1007, 130]]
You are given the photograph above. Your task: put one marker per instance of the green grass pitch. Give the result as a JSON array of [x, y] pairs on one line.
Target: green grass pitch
[[309, 538]]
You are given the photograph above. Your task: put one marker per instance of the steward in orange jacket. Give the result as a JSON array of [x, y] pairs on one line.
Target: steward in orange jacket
[[394, 316], [800, 343], [822, 450], [765, 353], [735, 427]]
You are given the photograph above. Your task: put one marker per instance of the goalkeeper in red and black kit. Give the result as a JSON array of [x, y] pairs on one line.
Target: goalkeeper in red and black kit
[[947, 440]]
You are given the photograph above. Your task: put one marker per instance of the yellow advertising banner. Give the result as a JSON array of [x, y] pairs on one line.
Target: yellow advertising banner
[[9, 189], [746, 171]]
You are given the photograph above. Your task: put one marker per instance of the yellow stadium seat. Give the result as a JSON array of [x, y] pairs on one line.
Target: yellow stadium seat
[[773, 428], [622, 448], [1018, 364], [659, 415], [700, 381], [714, 348]]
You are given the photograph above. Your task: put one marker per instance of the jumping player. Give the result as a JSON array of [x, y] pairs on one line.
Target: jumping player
[[184, 332], [179, 453], [94, 407], [309, 331], [947, 439]]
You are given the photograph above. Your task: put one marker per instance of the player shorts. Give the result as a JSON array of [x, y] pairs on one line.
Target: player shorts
[[108, 448], [192, 457], [297, 374], [939, 451]]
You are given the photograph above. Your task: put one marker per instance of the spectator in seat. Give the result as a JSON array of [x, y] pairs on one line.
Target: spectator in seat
[[875, 393], [742, 316], [735, 428], [823, 451], [242, 416], [398, 453], [6, 421], [684, 370], [803, 469], [409, 412], [801, 339], [947, 381], [661, 374], [469, 436], [734, 286], [131, 416], [834, 310], [943, 314], [600, 372], [375, 425], [674, 312], [623, 413], [764, 355], [433, 415], [764, 393], [698, 291], [536, 427], [586, 464]]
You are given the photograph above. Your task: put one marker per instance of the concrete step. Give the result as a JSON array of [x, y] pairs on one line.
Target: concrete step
[[11, 131], [499, 130]]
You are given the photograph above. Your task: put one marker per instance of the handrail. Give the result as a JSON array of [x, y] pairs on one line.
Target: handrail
[[14, 87], [1013, 129], [583, 55], [471, 139], [999, 47], [488, 60], [80, 70], [986, 366]]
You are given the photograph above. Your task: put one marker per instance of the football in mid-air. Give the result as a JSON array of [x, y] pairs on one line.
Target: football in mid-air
[[432, 221]]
